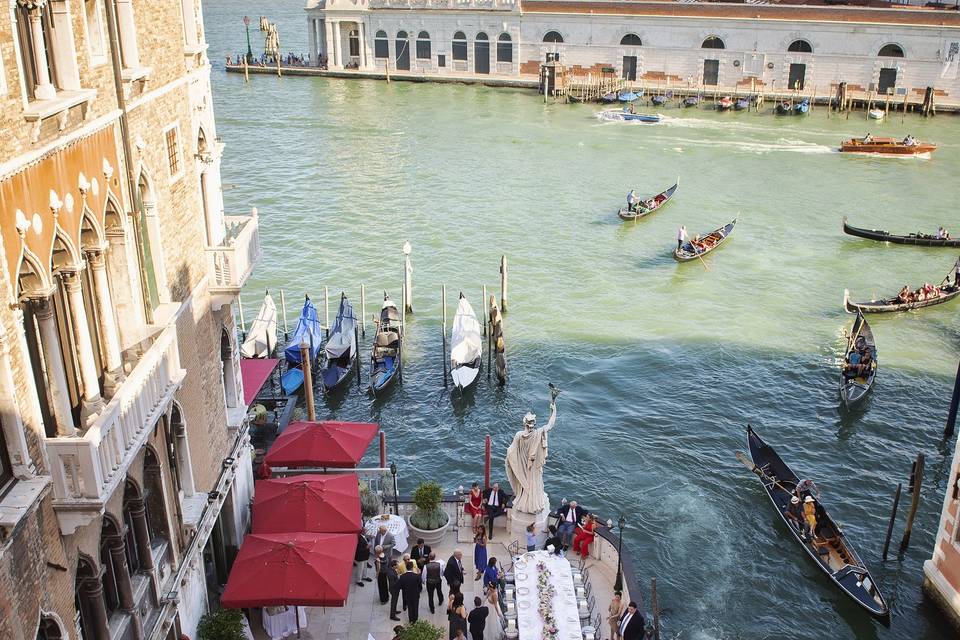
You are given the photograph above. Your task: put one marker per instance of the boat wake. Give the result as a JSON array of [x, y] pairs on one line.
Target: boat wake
[[760, 148]]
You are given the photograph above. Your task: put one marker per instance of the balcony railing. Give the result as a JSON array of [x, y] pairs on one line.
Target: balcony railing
[[471, 5], [87, 468], [232, 263]]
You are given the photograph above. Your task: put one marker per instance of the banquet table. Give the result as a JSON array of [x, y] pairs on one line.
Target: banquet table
[[395, 525], [529, 623], [284, 623]]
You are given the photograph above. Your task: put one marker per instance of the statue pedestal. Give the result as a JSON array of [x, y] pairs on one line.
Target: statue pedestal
[[520, 520]]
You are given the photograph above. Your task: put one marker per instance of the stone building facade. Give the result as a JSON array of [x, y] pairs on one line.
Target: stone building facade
[[771, 46], [125, 473], [941, 573]]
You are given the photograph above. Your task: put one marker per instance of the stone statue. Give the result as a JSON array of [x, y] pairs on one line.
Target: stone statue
[[525, 459]]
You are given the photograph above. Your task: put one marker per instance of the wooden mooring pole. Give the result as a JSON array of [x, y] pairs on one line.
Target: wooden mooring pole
[[243, 326], [954, 404], [383, 450], [283, 312], [486, 316], [893, 518], [916, 482], [443, 305], [407, 278], [307, 379], [326, 311], [486, 462], [363, 311], [503, 284]]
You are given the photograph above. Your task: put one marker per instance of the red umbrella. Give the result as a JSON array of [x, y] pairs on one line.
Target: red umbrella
[[318, 504], [303, 569], [321, 444]]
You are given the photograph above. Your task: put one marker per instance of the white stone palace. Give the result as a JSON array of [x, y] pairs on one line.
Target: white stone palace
[[886, 48]]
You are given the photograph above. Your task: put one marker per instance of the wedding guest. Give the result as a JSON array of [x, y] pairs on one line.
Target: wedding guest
[[531, 538], [397, 630], [432, 574], [385, 539], [495, 504], [570, 515], [631, 625], [380, 561], [491, 585], [453, 572], [392, 581], [614, 611], [410, 586], [474, 505], [420, 551], [457, 615], [585, 535], [480, 550], [360, 557], [553, 540], [477, 620]]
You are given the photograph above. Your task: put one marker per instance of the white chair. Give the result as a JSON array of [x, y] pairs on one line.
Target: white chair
[[510, 630]]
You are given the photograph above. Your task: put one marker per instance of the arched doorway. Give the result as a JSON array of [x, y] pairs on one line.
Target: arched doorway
[[402, 46], [481, 54]]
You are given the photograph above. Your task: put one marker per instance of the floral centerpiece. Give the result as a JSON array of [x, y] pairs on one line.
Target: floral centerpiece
[[545, 592]]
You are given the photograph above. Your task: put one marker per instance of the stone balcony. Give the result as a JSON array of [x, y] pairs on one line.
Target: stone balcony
[[232, 262], [87, 468], [466, 5]]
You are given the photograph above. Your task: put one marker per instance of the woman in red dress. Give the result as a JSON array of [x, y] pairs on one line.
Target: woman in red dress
[[585, 535], [474, 505]]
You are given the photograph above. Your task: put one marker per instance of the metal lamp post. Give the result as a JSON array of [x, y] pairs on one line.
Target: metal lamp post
[[396, 504], [618, 583], [246, 23]]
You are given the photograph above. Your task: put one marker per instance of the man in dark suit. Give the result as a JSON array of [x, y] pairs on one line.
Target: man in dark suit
[[570, 515], [393, 584], [477, 620], [420, 553], [409, 584], [453, 572], [495, 500], [631, 625]]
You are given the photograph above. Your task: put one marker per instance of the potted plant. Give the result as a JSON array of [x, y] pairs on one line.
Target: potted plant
[[421, 630], [222, 624], [428, 520], [370, 503]]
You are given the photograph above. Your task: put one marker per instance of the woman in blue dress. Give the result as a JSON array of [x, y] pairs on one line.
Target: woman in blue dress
[[479, 550]]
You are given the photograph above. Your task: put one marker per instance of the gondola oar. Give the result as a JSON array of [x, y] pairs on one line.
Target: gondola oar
[[742, 457]]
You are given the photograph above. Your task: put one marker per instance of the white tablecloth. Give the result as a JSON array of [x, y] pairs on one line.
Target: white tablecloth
[[395, 525], [284, 624], [528, 600]]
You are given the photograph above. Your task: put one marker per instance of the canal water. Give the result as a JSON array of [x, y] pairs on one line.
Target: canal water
[[662, 365]]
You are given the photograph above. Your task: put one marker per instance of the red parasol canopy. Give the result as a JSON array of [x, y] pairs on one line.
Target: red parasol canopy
[[254, 373], [318, 504], [321, 444], [303, 569]]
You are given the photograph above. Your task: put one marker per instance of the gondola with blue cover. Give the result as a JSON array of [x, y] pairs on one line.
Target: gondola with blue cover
[[308, 330], [340, 351]]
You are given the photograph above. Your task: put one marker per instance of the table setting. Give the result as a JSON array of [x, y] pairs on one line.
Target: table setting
[[546, 603]]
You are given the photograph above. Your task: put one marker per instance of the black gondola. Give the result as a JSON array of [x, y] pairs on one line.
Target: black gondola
[[916, 239], [854, 384], [646, 206], [386, 357], [827, 547]]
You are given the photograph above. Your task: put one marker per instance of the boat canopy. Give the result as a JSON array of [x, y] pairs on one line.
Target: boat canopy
[[309, 330], [467, 344], [343, 336], [262, 337]]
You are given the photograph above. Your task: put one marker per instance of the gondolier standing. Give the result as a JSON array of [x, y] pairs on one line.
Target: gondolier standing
[[681, 236], [631, 200]]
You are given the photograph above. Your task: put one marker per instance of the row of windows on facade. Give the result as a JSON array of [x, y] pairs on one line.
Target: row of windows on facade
[[45, 42], [505, 48]]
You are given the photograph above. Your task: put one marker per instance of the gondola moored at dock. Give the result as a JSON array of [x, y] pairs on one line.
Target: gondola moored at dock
[[385, 357], [340, 351], [826, 544]]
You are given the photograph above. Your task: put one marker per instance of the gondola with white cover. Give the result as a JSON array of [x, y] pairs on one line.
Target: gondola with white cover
[[261, 340], [466, 346]]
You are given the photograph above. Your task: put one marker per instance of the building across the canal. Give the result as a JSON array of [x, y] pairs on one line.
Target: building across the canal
[[763, 44], [125, 472], [942, 572]]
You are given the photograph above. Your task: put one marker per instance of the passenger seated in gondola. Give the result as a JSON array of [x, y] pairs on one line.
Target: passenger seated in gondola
[[810, 515], [867, 139], [910, 141], [942, 234], [905, 295], [794, 513]]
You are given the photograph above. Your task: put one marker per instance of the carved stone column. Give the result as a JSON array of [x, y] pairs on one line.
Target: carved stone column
[[86, 360], [109, 335], [312, 40], [94, 605], [53, 361], [43, 88], [121, 572], [138, 513]]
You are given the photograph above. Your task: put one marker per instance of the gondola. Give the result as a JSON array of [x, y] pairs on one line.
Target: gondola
[[802, 107], [466, 347], [340, 352], [261, 340], [609, 97], [629, 96], [853, 386], [657, 201], [724, 103], [828, 547], [889, 305], [784, 108], [918, 239], [658, 100], [741, 104], [308, 330], [686, 251], [691, 101], [385, 358]]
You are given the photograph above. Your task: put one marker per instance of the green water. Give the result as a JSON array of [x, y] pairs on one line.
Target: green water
[[662, 364]]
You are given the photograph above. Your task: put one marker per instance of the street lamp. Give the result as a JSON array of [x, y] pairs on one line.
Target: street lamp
[[396, 506], [618, 583], [246, 23]]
